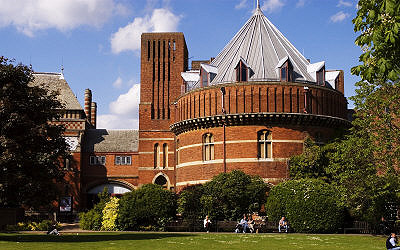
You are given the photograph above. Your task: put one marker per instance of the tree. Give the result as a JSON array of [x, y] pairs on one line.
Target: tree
[[30, 146], [311, 163], [377, 98], [230, 195]]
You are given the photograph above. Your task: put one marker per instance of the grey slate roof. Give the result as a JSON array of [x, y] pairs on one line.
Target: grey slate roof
[[103, 140], [262, 46], [56, 82]]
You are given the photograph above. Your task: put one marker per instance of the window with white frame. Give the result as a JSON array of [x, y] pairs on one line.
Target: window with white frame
[[97, 160], [264, 144], [123, 160], [208, 147]]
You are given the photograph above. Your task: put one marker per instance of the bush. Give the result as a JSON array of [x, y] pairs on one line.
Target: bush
[[92, 220], [110, 213], [189, 204], [230, 195], [147, 208], [32, 226], [310, 205]]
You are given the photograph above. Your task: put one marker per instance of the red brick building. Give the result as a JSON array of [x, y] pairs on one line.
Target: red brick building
[[249, 108]]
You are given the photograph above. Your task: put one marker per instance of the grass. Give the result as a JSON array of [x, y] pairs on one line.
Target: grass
[[191, 241]]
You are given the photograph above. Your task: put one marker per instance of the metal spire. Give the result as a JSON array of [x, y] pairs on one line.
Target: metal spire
[[258, 4]]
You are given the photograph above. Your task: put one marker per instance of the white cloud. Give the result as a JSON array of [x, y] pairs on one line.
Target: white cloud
[[117, 83], [241, 5], [339, 17], [272, 5], [124, 112], [300, 3], [29, 16], [128, 38], [344, 3]]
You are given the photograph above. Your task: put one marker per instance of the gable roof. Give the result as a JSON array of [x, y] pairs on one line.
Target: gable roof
[[262, 46], [56, 82], [104, 140]]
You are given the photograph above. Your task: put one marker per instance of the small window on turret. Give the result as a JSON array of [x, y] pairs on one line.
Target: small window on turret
[[286, 72], [242, 72], [321, 76]]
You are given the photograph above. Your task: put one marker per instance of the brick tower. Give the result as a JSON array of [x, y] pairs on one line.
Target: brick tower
[[163, 57]]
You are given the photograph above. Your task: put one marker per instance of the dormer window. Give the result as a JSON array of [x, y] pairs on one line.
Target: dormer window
[[207, 74], [204, 77], [242, 71], [321, 76], [285, 70]]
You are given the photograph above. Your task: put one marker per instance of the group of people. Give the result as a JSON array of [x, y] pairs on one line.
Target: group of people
[[245, 225]]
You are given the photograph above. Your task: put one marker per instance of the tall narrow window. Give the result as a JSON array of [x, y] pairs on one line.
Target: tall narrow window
[[264, 144], [165, 155], [208, 147], [178, 155], [242, 71], [286, 72], [156, 155], [321, 76]]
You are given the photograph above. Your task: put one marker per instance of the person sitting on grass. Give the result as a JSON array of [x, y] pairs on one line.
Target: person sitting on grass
[[283, 225], [53, 229], [391, 242]]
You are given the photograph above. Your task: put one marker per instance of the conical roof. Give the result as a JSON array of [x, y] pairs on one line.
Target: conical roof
[[262, 47]]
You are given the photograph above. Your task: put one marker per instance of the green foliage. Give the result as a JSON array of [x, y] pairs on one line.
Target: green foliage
[[110, 213], [310, 205], [30, 147], [147, 208], [377, 98], [92, 220], [365, 189], [230, 195], [311, 163], [189, 204], [32, 226]]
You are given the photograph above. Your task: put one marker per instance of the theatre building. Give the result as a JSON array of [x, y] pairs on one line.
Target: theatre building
[[249, 108]]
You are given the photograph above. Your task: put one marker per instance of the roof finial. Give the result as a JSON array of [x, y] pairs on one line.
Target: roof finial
[[258, 4], [62, 69]]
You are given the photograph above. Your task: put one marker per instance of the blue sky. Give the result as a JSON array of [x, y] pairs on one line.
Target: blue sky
[[97, 41]]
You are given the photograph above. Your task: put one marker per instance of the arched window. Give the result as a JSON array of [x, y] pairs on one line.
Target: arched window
[[157, 155], [208, 147], [165, 155], [264, 144], [162, 181]]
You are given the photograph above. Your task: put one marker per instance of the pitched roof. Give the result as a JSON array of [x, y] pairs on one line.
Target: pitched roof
[[56, 82], [262, 46], [104, 140]]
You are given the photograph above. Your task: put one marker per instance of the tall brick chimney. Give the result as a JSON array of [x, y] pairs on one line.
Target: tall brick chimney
[[88, 104], [93, 114]]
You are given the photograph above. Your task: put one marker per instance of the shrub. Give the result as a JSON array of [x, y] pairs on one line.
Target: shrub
[[92, 220], [149, 207], [31, 226], [310, 205], [110, 213], [189, 205], [230, 195]]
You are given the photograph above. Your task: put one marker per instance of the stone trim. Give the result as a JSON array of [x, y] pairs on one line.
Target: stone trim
[[247, 119]]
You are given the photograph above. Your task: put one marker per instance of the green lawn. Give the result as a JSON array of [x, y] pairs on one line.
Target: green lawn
[[191, 241]]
